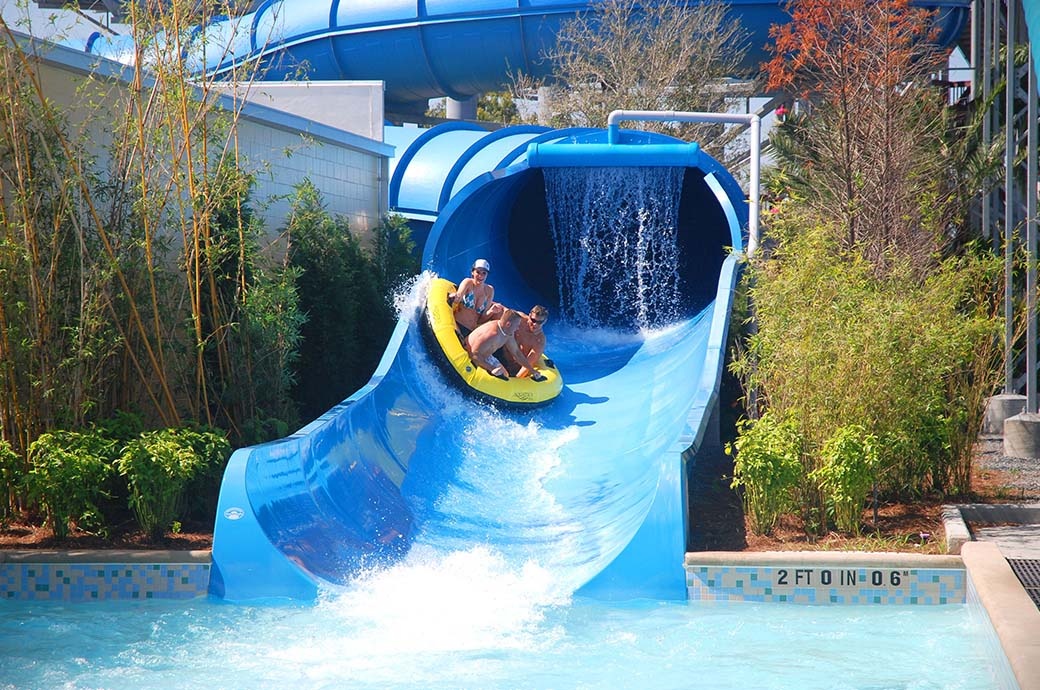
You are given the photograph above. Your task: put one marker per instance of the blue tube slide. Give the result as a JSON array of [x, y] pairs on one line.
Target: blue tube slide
[[422, 50], [590, 487]]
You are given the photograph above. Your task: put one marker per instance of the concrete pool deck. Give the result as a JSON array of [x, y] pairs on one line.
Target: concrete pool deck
[[1013, 527], [104, 556]]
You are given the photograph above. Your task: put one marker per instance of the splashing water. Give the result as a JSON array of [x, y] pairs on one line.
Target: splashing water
[[616, 238], [410, 296], [471, 599]]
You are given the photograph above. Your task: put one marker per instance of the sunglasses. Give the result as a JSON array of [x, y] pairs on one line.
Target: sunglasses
[[538, 321]]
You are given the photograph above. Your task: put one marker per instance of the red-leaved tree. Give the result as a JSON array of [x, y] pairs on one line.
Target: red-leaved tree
[[866, 149]]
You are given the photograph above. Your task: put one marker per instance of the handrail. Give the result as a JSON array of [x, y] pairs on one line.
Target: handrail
[[752, 120]]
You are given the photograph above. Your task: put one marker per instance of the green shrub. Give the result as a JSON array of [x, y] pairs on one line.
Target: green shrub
[[344, 289], [68, 472], [160, 465], [768, 467], [12, 477], [909, 357], [122, 427], [200, 502], [848, 470]]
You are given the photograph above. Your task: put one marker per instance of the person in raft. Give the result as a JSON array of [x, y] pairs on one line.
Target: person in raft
[[474, 300], [488, 337], [530, 337]]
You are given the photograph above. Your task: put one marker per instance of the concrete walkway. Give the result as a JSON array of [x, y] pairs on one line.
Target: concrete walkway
[[1015, 541], [1013, 528]]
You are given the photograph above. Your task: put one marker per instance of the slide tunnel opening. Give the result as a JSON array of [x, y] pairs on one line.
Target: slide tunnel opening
[[703, 236]]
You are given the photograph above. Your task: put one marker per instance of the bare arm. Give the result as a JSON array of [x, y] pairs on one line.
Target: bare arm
[[535, 355], [494, 309], [514, 351]]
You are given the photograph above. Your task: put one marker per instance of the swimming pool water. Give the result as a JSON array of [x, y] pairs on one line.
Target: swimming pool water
[[469, 621]]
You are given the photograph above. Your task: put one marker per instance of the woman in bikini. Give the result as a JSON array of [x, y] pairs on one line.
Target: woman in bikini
[[474, 300]]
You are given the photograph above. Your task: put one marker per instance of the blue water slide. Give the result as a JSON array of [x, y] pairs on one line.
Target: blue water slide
[[421, 50], [590, 487]]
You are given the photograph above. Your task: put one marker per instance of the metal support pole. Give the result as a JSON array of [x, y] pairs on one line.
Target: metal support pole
[[1009, 188], [752, 120], [1031, 243], [976, 30], [461, 110], [986, 69]]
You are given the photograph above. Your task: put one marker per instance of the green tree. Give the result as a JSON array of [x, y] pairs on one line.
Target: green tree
[[876, 332], [498, 106], [905, 359], [344, 290], [635, 55], [128, 275]]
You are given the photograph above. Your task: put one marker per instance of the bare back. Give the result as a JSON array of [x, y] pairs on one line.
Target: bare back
[[489, 337], [485, 339]]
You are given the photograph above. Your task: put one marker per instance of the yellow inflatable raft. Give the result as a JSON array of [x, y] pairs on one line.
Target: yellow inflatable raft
[[439, 325]]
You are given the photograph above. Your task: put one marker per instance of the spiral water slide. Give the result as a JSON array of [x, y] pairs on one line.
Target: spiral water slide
[[404, 462], [424, 49]]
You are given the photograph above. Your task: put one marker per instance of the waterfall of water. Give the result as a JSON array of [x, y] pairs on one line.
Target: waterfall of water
[[616, 242]]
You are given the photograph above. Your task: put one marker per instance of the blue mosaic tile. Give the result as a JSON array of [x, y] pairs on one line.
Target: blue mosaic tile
[[810, 585], [84, 581]]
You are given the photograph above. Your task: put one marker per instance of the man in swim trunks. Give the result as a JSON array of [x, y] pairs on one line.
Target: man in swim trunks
[[488, 337], [531, 338], [474, 300]]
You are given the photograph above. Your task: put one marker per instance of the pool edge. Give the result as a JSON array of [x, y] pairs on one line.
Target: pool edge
[[1014, 616], [107, 556]]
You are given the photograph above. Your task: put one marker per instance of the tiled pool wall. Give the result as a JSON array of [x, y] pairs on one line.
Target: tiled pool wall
[[797, 578], [827, 578], [88, 576]]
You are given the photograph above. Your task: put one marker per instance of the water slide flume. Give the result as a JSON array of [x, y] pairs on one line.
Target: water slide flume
[[423, 50], [590, 487], [438, 322]]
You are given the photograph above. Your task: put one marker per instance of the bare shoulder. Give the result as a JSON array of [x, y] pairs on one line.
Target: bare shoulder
[[484, 328]]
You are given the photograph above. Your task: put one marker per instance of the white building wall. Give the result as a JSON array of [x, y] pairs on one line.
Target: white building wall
[[352, 106], [281, 149], [352, 181]]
